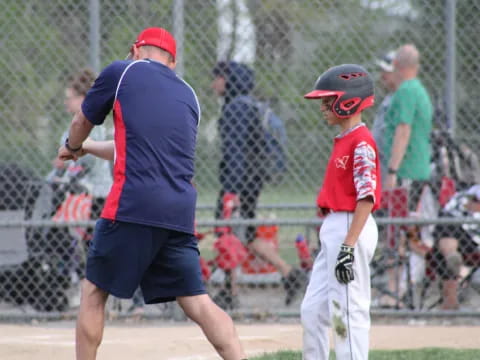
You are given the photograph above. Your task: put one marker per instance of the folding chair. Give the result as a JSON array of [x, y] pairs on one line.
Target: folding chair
[[394, 205]]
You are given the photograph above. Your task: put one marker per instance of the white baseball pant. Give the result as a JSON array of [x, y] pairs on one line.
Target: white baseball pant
[[328, 303]]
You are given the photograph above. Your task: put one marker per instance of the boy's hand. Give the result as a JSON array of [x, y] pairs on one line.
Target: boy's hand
[[344, 266]]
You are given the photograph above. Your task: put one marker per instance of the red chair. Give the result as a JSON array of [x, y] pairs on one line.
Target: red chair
[[394, 204]]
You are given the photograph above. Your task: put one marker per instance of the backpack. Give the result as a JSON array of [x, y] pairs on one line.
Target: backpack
[[273, 159], [453, 163], [454, 160]]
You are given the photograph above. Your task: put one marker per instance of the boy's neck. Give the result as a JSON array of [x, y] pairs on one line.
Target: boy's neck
[[350, 122]]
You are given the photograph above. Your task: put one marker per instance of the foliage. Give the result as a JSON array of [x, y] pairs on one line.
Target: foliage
[[296, 41]]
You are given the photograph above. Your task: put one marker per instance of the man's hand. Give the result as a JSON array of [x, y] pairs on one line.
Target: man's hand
[[391, 181], [64, 154], [344, 266]]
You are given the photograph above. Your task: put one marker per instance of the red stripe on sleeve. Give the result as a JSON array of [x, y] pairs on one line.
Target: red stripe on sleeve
[[113, 199]]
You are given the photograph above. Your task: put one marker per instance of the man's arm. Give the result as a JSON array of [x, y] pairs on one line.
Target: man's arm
[[399, 148], [95, 107], [402, 116], [400, 143], [79, 130]]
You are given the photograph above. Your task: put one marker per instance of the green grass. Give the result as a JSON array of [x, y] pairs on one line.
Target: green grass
[[271, 195], [279, 194], [419, 354]]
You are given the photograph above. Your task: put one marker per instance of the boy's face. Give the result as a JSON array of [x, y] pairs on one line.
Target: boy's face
[[326, 109], [388, 80], [73, 101], [219, 85]]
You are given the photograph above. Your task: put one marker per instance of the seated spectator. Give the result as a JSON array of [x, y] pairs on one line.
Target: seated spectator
[[455, 242]]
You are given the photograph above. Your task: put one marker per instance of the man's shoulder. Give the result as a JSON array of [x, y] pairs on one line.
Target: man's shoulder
[[117, 66], [407, 93], [114, 70]]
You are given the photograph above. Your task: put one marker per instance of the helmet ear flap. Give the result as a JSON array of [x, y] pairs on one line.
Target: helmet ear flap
[[334, 108], [346, 107], [349, 104]]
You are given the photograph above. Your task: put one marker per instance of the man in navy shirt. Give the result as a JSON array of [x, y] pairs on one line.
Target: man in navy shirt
[[146, 232]]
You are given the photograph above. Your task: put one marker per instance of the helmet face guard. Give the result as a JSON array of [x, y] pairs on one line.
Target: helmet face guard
[[350, 84]]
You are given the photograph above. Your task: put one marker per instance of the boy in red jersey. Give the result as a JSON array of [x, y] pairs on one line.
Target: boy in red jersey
[[338, 294]]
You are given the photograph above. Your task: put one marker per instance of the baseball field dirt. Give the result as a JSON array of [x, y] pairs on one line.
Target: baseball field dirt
[[185, 341]]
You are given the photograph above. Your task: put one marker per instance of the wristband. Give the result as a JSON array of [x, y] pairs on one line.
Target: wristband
[[392, 171], [69, 148], [347, 248]]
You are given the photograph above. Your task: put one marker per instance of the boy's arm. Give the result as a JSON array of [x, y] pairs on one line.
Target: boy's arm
[[362, 211], [365, 179], [344, 266]]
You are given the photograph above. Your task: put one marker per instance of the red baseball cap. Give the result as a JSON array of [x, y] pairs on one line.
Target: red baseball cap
[[158, 37]]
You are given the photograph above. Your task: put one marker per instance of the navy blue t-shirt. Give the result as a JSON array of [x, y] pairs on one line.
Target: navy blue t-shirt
[[156, 115]]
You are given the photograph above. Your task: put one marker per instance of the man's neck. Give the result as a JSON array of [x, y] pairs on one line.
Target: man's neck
[[409, 74], [158, 59]]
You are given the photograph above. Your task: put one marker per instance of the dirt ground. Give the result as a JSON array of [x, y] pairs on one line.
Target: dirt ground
[[173, 341]]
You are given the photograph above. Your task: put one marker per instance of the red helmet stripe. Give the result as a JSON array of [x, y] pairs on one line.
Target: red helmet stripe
[[317, 94]]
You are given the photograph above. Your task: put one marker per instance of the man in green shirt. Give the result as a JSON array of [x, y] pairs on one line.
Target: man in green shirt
[[408, 126]]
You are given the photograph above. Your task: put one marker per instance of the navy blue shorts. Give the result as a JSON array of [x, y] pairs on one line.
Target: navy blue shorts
[[165, 263]]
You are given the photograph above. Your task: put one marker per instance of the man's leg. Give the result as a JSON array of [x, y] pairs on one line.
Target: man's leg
[[90, 321], [216, 324], [448, 247]]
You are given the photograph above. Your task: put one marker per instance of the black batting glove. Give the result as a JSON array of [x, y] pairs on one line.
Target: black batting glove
[[344, 266]]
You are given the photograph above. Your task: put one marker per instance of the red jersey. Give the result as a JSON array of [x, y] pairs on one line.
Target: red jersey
[[353, 171]]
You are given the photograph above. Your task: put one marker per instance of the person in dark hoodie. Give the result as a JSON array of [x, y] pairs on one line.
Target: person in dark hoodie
[[240, 169]]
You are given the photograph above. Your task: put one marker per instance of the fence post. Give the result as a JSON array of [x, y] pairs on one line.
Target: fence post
[[178, 33], [94, 35], [450, 66]]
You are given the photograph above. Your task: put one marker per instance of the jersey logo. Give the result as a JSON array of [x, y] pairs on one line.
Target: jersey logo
[[341, 162]]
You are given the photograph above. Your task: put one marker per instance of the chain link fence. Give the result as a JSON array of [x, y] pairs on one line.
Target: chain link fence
[[287, 45]]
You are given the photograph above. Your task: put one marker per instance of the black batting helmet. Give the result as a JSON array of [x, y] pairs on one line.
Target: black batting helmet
[[351, 84]]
